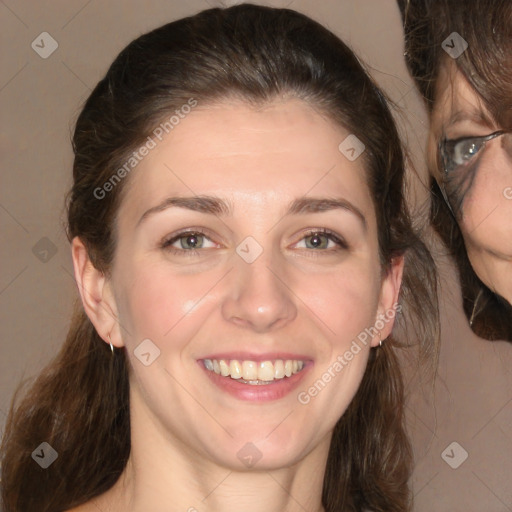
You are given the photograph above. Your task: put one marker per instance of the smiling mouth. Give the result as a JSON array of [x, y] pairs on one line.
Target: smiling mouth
[[252, 372]]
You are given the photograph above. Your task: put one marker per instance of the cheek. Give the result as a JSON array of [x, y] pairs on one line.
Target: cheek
[[154, 302], [349, 302], [342, 304], [487, 211], [346, 307]]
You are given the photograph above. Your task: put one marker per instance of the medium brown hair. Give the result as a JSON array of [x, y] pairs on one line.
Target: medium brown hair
[[486, 64], [79, 404]]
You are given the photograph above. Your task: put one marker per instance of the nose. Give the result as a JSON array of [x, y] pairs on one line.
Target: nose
[[258, 297]]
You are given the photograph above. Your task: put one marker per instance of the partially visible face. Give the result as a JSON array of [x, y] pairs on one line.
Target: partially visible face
[[247, 236], [478, 182]]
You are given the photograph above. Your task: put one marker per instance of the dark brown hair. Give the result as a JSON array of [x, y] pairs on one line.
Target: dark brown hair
[[486, 64], [79, 404]]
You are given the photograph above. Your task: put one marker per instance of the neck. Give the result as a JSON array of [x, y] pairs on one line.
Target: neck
[[150, 483], [165, 475]]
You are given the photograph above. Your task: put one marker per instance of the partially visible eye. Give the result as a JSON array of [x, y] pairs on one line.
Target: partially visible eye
[[457, 152], [466, 149]]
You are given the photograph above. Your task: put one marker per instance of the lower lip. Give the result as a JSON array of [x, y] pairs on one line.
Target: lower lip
[[260, 392]]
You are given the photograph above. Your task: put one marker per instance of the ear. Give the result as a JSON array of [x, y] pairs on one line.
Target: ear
[[96, 294], [388, 306]]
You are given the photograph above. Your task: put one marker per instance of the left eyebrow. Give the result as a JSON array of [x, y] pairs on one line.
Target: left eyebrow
[[304, 205]]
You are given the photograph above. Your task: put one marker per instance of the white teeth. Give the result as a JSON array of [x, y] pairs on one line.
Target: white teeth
[[251, 372], [235, 369], [279, 369], [266, 371], [224, 368]]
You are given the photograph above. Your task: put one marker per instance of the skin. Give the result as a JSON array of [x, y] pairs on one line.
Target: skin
[[186, 432], [486, 212]]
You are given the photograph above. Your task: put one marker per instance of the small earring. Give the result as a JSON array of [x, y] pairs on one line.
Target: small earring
[[475, 312], [110, 343], [380, 339]]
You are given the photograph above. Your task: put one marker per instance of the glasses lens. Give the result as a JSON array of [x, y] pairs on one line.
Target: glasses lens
[[460, 164]]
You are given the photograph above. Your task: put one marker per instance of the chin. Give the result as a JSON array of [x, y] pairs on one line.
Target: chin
[[262, 449]]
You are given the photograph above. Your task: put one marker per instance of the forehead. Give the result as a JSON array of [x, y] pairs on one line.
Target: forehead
[[282, 150], [456, 101]]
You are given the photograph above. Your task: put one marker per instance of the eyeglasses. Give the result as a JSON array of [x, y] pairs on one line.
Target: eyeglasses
[[456, 153]]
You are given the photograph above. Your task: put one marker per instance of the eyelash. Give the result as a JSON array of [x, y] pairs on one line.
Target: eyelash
[[339, 241]]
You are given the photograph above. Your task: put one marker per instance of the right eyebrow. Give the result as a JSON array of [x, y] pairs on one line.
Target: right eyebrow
[[202, 204]]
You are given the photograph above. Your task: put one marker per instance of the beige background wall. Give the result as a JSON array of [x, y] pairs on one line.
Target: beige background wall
[[39, 100]]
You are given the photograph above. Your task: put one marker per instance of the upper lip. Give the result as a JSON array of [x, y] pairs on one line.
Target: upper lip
[[251, 356]]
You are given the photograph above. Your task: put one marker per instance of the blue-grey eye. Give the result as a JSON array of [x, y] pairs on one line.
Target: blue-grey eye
[[465, 149], [457, 152]]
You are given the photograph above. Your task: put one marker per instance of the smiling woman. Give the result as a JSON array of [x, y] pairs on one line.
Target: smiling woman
[[252, 259]]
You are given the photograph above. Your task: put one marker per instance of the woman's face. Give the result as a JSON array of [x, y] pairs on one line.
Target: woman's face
[[478, 181], [247, 237]]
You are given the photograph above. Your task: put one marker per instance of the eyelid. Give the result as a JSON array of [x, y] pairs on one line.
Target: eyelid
[[483, 138]]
